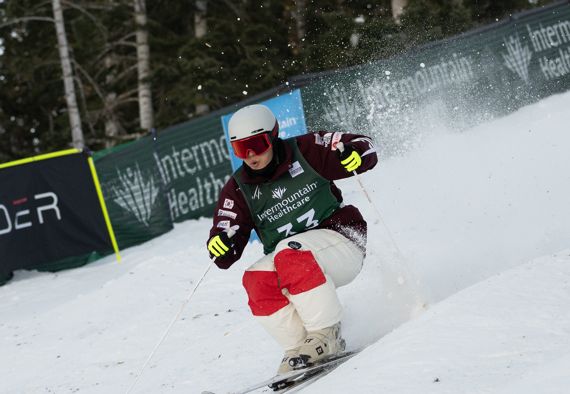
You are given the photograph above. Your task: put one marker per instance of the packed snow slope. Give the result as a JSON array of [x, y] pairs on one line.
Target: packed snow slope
[[475, 224]]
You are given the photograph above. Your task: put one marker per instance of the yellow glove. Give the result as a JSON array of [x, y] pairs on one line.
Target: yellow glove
[[349, 157], [219, 245]]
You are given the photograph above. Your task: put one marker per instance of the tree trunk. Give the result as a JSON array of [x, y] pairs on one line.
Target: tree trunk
[[200, 30], [200, 22], [74, 118], [143, 66], [112, 128], [300, 21], [398, 9]]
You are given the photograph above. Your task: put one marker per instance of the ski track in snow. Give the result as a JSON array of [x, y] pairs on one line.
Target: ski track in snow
[[475, 223]]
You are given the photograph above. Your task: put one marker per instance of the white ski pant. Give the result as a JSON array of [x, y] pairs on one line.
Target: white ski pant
[[293, 290]]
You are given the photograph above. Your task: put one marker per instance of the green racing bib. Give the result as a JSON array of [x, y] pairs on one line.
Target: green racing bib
[[296, 202]]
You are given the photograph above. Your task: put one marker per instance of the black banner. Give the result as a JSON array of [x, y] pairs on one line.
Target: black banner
[[49, 210]]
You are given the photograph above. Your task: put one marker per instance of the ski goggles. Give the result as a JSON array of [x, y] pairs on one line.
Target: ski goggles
[[258, 144]]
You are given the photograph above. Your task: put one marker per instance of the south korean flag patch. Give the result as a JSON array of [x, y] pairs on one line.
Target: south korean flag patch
[[228, 204]]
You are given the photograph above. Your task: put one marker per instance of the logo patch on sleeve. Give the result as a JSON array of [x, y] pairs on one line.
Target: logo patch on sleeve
[[319, 139], [228, 214], [335, 140], [228, 204], [223, 224]]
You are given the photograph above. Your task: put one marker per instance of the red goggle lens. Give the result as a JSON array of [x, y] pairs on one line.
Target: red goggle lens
[[258, 144]]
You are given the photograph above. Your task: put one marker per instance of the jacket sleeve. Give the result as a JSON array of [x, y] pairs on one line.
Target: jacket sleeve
[[232, 212], [320, 150]]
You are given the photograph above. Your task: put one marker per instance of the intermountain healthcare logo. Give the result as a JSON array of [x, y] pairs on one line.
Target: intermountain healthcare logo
[[518, 57], [278, 193], [551, 44], [135, 195], [288, 204]]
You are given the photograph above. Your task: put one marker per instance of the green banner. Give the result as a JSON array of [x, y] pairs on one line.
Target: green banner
[[194, 164], [452, 84], [134, 192]]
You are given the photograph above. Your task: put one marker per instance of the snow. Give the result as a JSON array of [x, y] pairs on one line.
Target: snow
[[476, 225], [507, 334]]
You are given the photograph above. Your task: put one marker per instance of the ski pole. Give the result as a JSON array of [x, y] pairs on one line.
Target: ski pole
[[340, 147], [231, 233], [404, 265]]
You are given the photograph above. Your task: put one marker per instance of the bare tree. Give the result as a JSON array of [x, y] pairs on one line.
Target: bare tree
[[200, 30], [300, 21], [398, 9], [296, 10], [77, 138], [143, 66], [112, 125]]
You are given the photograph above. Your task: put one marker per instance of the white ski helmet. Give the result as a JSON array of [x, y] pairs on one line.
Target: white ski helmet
[[252, 120]]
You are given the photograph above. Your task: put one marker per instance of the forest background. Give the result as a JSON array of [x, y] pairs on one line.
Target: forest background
[[97, 73]]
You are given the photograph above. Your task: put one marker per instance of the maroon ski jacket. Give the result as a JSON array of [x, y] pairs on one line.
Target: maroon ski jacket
[[319, 149]]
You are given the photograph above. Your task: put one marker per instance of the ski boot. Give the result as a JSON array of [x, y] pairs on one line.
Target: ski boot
[[319, 345], [289, 361]]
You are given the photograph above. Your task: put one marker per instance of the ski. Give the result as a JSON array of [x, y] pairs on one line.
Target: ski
[[292, 380], [310, 377]]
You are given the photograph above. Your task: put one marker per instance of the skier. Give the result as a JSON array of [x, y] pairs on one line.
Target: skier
[[312, 242]]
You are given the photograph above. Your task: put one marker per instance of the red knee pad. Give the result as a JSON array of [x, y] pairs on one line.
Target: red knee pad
[[298, 270], [265, 297]]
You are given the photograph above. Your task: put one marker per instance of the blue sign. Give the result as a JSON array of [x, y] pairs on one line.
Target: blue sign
[[287, 108]]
